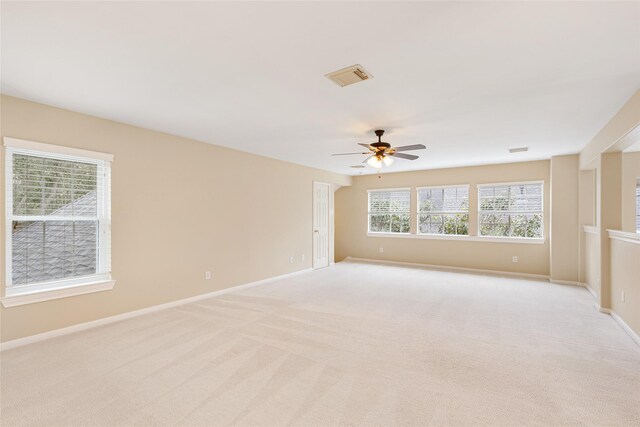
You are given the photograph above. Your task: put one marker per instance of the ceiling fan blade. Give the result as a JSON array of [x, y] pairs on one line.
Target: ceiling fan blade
[[365, 160], [347, 154], [410, 147], [404, 156], [365, 145]]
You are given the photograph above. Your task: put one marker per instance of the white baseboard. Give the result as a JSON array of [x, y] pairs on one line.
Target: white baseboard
[[454, 269], [625, 327], [19, 342], [591, 291], [574, 283], [568, 282]]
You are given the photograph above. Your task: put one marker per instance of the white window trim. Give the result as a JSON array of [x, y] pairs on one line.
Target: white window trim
[[13, 299], [384, 190], [493, 184], [38, 292], [510, 212], [637, 212], [462, 238], [431, 187], [55, 149]]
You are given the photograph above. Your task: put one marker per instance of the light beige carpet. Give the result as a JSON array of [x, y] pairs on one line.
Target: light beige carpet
[[355, 344]]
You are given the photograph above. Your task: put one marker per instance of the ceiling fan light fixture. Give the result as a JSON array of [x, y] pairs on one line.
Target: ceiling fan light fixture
[[375, 162], [379, 153]]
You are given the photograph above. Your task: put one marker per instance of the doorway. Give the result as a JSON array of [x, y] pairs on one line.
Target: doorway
[[320, 225]]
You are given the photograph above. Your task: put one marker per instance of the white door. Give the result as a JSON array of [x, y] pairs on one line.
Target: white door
[[320, 225]]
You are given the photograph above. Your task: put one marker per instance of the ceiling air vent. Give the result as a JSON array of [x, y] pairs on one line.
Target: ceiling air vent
[[518, 150], [350, 75]]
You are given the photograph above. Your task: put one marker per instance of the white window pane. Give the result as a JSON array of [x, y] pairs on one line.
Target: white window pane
[[424, 201], [389, 211], [494, 225], [60, 216], [448, 208], [379, 202], [43, 186], [514, 210], [450, 199], [400, 223], [53, 250], [638, 206], [423, 223], [399, 201], [379, 223]]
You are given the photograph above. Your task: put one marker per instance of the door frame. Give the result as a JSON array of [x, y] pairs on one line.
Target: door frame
[[329, 239]]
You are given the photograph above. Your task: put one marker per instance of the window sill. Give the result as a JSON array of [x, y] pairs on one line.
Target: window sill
[[16, 297], [492, 239]]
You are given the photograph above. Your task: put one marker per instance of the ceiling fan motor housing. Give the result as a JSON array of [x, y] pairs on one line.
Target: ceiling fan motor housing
[[380, 145], [382, 150]]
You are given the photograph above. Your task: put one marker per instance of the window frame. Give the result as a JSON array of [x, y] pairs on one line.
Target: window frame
[[443, 213], [509, 238], [386, 190], [637, 200], [58, 288]]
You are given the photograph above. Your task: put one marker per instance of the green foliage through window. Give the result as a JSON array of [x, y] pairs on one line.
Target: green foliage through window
[[443, 210], [511, 210], [389, 211]]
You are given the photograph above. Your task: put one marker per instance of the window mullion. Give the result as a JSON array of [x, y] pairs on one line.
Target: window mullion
[[8, 163]]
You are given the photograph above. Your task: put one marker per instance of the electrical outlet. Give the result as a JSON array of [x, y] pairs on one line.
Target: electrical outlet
[[207, 275], [381, 250], [515, 259], [290, 260], [622, 297], [302, 257]]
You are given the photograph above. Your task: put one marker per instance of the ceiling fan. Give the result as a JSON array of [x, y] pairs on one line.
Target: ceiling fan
[[382, 153]]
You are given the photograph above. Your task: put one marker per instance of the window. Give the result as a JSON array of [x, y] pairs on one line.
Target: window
[[511, 210], [58, 217], [443, 210], [389, 211], [638, 206]]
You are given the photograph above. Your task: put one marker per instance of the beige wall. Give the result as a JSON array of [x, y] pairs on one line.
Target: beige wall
[[609, 216], [564, 253], [179, 208], [351, 221], [586, 212], [619, 133], [609, 265], [630, 175], [592, 261], [625, 276]]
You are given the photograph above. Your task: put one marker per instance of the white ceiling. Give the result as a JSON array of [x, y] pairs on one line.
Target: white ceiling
[[468, 80]]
